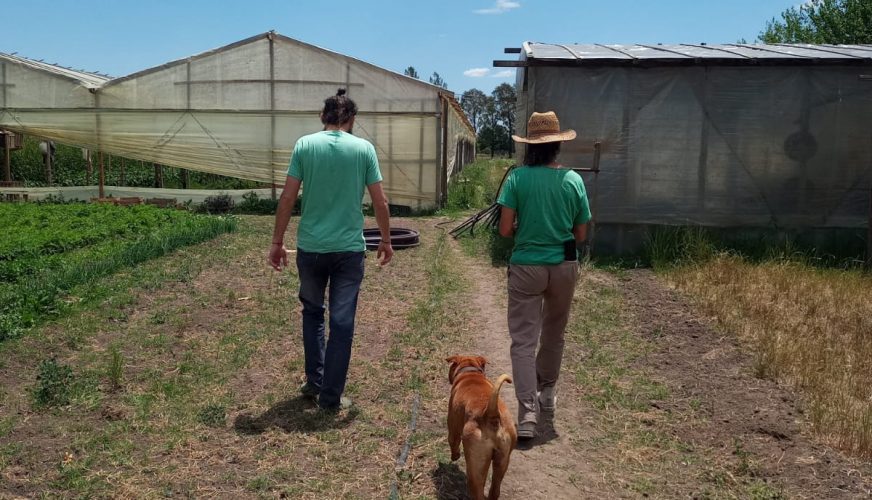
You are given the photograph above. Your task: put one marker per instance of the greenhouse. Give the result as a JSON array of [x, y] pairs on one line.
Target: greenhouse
[[725, 136], [238, 110]]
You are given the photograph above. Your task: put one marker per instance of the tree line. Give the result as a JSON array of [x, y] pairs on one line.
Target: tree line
[[492, 116]]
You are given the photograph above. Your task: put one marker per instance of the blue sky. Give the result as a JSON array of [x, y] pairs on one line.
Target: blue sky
[[453, 37]]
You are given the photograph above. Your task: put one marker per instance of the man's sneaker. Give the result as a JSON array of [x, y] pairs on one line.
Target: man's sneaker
[[526, 430], [344, 404], [548, 399], [309, 391]]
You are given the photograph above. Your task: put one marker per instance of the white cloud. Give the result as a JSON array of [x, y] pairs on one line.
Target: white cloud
[[476, 72], [499, 7], [506, 73]]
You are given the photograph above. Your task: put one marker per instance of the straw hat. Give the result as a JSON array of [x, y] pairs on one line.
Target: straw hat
[[544, 127]]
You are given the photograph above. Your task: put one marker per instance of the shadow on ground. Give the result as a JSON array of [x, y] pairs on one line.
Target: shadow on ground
[[298, 414], [449, 481]]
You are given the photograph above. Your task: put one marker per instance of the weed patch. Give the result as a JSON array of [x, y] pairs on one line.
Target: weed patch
[[54, 384]]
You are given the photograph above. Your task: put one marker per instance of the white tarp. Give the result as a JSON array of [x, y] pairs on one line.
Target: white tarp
[[237, 111]]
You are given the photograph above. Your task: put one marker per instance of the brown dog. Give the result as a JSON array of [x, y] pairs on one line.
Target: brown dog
[[478, 418]]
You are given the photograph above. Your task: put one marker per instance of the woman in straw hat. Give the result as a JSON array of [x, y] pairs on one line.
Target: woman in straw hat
[[544, 206]]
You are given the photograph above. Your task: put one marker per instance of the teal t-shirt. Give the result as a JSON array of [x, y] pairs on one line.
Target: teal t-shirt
[[334, 167], [548, 202]]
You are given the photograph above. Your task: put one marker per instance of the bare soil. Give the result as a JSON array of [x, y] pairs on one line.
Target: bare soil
[[701, 364]]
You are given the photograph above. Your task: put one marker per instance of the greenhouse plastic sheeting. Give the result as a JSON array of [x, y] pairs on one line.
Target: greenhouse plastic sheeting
[[774, 146], [238, 111]]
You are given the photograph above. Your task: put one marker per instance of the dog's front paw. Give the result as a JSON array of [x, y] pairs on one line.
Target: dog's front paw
[[455, 455]]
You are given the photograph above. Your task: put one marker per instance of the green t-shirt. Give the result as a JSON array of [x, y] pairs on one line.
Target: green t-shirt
[[548, 202], [334, 168]]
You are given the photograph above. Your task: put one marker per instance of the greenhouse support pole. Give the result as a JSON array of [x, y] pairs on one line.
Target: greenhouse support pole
[[272, 112], [48, 176], [868, 264], [102, 175], [89, 168], [443, 176], [7, 160]]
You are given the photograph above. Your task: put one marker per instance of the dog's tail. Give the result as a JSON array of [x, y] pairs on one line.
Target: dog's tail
[[492, 410]]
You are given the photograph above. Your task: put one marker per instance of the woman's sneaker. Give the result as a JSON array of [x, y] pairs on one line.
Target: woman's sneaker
[[548, 399], [526, 431]]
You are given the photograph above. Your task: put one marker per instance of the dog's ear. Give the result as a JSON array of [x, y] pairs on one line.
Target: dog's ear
[[481, 361], [453, 360]]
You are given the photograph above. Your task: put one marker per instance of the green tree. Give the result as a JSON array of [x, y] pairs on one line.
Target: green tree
[[505, 99], [438, 81], [473, 102], [410, 71], [822, 21]]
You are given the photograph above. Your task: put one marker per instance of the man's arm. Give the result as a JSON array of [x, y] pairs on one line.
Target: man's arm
[[507, 222], [278, 254], [383, 218]]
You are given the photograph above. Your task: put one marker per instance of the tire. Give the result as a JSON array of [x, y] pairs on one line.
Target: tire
[[400, 238]]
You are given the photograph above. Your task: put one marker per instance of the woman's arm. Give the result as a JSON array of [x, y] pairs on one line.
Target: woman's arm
[[507, 222], [580, 232]]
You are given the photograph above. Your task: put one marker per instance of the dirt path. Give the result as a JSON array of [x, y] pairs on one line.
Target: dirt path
[[680, 415], [552, 467]]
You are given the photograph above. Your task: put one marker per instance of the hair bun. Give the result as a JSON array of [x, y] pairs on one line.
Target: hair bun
[[340, 92]]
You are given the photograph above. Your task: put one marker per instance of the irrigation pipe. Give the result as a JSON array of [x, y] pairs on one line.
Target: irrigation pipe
[[407, 447]]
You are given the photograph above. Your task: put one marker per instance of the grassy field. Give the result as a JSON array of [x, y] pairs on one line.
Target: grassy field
[[808, 327], [179, 377], [47, 250]]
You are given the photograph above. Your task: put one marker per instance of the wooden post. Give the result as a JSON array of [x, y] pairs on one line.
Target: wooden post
[[121, 177], [102, 175], [184, 178]]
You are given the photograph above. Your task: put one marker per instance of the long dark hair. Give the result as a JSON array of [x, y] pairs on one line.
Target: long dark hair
[[338, 109], [541, 154]]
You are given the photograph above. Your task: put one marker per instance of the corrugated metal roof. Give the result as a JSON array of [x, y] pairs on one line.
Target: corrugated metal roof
[[90, 80], [734, 52]]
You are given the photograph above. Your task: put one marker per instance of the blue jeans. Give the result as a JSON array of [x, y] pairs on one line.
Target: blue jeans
[[327, 360]]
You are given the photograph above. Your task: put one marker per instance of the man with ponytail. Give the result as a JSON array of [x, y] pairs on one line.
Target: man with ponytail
[[334, 167]]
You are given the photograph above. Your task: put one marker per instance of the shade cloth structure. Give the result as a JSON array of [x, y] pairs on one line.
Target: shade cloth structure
[[736, 135], [239, 109]]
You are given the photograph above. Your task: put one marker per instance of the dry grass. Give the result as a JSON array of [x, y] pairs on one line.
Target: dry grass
[[808, 327]]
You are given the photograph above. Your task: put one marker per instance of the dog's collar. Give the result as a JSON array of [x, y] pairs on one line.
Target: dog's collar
[[469, 369]]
